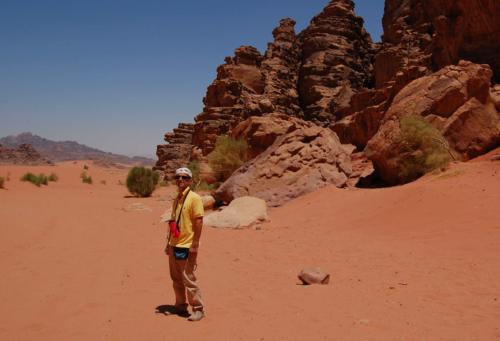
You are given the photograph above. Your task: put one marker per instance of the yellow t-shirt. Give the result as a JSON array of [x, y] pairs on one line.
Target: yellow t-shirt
[[192, 209]]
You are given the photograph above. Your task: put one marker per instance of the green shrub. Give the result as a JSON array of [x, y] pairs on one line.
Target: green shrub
[[2, 182], [424, 146], [53, 177], [142, 181], [194, 166], [229, 155], [40, 179], [203, 186], [198, 183], [86, 179]]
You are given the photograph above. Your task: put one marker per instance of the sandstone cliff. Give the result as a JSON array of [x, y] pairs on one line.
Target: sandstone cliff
[[434, 34], [332, 75], [312, 75], [337, 56]]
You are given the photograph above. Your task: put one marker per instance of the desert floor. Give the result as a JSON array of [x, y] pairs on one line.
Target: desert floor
[[414, 262]]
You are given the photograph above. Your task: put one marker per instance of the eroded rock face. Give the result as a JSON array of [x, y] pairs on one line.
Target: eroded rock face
[[177, 152], [250, 84], [297, 163], [337, 57], [281, 69], [25, 154], [433, 34], [333, 75], [260, 132], [456, 100], [233, 96]]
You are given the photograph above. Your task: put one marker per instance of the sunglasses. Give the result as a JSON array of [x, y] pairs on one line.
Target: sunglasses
[[183, 177]]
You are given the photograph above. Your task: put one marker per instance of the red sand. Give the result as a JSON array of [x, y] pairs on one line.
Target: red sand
[[415, 262]]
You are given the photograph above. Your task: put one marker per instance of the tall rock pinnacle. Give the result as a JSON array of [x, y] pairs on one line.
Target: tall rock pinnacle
[[337, 55]]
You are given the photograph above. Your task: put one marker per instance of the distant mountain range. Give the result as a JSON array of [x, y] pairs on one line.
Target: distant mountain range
[[69, 150]]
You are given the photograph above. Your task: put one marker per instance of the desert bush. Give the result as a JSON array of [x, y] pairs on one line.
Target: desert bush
[[203, 186], [40, 179], [86, 179], [194, 166], [53, 177], [85, 167], [2, 182], [142, 181], [198, 183], [229, 155], [424, 146], [103, 182]]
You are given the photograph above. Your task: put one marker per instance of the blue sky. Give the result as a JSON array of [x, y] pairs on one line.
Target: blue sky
[[118, 74]]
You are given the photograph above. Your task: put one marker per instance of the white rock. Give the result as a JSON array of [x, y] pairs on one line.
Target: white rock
[[250, 210], [208, 202], [241, 212], [227, 218]]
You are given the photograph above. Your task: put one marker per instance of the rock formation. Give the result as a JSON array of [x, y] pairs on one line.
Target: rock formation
[[456, 100], [297, 163], [281, 69], [260, 132], [233, 96], [177, 152], [25, 154], [434, 34], [332, 74], [421, 37], [332, 57], [337, 56]]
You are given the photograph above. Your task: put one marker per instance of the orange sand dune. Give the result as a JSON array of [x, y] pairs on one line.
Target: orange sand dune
[[415, 262]]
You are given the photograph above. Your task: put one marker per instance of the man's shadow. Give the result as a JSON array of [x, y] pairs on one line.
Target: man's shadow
[[168, 309]]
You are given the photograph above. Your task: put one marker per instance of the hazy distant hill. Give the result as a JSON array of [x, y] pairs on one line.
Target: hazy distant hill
[[69, 150]]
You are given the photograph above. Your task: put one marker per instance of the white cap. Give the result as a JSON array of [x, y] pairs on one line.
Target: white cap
[[184, 170]]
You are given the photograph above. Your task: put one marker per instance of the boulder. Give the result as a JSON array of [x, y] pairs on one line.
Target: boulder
[[473, 129], [241, 212], [456, 100], [297, 163], [208, 202], [313, 276]]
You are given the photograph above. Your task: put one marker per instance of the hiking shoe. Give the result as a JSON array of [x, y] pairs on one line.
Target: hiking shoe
[[196, 315]]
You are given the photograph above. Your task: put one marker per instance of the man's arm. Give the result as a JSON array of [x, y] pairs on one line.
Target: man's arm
[[197, 226]]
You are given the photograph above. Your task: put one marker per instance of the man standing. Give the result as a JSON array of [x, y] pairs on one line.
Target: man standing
[[182, 246]]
